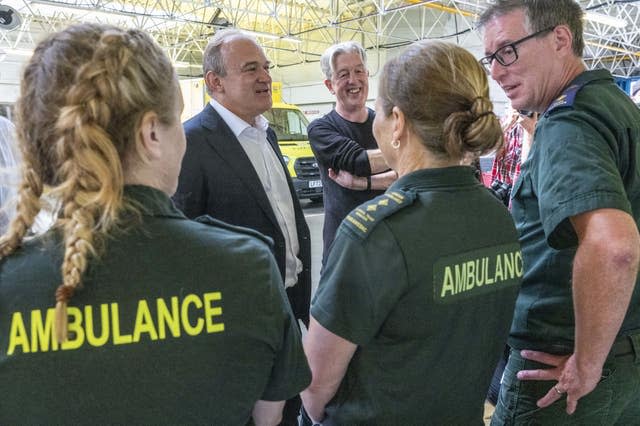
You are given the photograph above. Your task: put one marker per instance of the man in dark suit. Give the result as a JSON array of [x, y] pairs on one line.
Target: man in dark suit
[[233, 168]]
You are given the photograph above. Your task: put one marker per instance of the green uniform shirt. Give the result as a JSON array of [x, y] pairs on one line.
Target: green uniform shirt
[[178, 322], [423, 279], [584, 157]]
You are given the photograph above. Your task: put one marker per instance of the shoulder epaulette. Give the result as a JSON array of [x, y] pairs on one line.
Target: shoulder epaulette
[[364, 218], [567, 97], [210, 221]]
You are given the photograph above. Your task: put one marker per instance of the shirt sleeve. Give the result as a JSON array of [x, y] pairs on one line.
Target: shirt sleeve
[[334, 150], [290, 373], [362, 282], [577, 172]]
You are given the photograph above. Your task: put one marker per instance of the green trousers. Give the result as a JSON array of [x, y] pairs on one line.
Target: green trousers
[[614, 401]]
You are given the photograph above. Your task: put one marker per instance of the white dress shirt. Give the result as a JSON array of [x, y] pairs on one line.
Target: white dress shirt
[[253, 140]]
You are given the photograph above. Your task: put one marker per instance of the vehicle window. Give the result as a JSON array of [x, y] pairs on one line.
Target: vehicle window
[[289, 124]]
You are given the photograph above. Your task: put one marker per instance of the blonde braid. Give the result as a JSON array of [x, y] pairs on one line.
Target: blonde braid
[[27, 209], [31, 186], [84, 94], [79, 238], [92, 178]]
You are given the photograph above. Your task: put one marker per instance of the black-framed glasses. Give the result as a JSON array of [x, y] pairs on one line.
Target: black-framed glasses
[[508, 54]]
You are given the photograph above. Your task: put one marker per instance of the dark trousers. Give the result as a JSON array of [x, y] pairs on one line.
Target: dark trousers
[[291, 411], [614, 401], [494, 387]]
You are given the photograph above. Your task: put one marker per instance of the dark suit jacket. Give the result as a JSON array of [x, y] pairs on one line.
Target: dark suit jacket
[[218, 179]]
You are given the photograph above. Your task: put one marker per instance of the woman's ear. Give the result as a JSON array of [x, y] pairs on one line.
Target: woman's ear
[[150, 137], [399, 123]]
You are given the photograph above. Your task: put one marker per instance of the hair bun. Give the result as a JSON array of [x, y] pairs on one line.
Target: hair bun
[[483, 114], [481, 106]]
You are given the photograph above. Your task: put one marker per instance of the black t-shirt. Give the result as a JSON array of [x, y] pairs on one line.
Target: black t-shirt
[[340, 144]]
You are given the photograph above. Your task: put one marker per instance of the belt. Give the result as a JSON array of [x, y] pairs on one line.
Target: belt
[[622, 346]]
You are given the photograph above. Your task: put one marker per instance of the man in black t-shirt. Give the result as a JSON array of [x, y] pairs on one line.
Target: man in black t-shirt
[[351, 165]]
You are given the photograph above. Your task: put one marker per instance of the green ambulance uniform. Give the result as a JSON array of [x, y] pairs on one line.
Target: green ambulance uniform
[[178, 322], [584, 157], [423, 279]]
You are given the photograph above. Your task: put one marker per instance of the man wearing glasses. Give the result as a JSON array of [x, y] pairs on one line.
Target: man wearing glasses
[[576, 329]]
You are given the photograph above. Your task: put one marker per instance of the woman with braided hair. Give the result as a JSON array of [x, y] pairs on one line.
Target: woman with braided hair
[[416, 298], [125, 311]]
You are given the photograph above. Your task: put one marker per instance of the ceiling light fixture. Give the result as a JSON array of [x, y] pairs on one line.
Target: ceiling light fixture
[[601, 18], [260, 34], [411, 5], [291, 39], [128, 15], [84, 14], [18, 52], [271, 36]]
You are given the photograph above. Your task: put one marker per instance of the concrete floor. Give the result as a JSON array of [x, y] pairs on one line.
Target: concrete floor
[[314, 214]]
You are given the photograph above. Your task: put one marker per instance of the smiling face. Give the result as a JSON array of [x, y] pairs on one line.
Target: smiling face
[[245, 90], [528, 82], [349, 82]]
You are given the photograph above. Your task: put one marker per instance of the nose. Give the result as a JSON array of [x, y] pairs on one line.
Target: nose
[[497, 70], [264, 76]]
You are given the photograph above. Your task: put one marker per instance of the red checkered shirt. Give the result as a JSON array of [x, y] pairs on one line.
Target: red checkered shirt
[[506, 165]]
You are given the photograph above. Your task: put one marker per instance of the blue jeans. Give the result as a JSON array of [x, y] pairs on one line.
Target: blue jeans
[[614, 401]]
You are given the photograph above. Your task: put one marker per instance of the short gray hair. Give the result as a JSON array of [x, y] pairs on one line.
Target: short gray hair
[[212, 59], [542, 14], [328, 59]]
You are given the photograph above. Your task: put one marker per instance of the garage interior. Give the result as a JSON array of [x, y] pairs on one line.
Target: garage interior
[[294, 34]]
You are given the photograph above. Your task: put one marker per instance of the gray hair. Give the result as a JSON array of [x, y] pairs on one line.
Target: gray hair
[[212, 58], [542, 14], [328, 59]]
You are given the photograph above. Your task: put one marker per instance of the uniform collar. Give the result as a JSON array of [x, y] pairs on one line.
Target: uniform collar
[[151, 201], [567, 98], [445, 177], [591, 75]]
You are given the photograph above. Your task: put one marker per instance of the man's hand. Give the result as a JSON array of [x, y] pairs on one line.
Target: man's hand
[[347, 180], [576, 382]]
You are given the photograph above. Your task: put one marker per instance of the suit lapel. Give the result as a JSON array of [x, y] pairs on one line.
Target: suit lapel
[[225, 143]]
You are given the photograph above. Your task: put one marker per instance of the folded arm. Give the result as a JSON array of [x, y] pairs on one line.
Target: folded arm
[[380, 181], [334, 150]]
